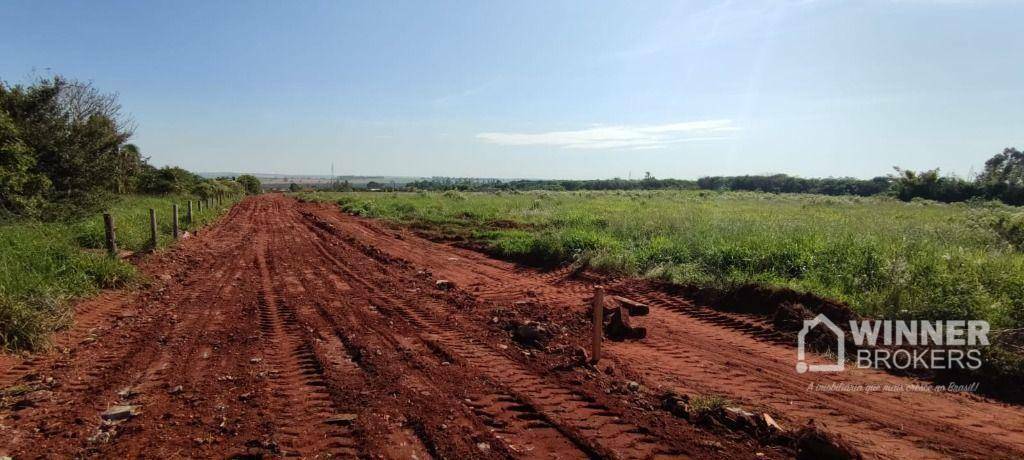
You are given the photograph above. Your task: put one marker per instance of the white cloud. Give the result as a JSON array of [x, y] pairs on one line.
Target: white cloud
[[619, 137]]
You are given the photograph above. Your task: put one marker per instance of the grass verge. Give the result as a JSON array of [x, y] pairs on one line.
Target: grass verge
[[43, 265]]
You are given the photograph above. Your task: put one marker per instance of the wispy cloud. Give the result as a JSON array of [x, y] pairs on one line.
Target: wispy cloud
[[640, 137]]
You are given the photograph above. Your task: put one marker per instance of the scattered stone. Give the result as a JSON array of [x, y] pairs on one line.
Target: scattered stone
[[102, 437], [633, 386], [580, 356], [675, 404], [127, 393], [483, 446], [119, 413], [444, 285], [771, 423], [255, 360], [342, 419], [165, 277], [739, 417], [714, 444], [529, 334], [175, 390]]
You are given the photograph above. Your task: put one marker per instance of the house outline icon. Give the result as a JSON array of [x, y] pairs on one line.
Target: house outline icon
[[802, 366]]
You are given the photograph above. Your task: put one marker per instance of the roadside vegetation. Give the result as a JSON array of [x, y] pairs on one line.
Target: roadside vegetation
[[43, 265], [883, 257], [65, 158]]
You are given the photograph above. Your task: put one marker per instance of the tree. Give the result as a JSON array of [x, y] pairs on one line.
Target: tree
[[75, 135], [128, 166], [250, 184], [294, 187], [168, 181], [1003, 177], [1004, 168], [21, 189]]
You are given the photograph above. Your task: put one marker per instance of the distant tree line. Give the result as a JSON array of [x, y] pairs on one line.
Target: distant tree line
[[781, 183], [467, 184], [64, 149], [1002, 179]]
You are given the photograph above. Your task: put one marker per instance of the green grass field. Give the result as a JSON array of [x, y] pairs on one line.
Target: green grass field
[[883, 257], [43, 265]]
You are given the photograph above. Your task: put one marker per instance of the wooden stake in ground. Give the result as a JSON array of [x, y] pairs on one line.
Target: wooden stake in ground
[[595, 352], [189, 220], [152, 228], [174, 225], [108, 225]]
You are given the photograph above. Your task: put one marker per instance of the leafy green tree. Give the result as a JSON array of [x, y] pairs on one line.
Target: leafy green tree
[[250, 184], [22, 190], [1003, 177], [1004, 168], [168, 181], [72, 135]]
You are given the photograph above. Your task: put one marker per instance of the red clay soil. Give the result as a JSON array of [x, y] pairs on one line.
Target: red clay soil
[[290, 329]]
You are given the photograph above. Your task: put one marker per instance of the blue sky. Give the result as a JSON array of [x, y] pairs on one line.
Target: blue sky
[[584, 89]]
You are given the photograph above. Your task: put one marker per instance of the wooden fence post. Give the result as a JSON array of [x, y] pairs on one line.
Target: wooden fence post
[[174, 225], [595, 352], [152, 228], [108, 226], [189, 220]]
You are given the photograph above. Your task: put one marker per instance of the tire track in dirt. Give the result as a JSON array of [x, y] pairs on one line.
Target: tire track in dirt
[[576, 415], [521, 430], [297, 374]]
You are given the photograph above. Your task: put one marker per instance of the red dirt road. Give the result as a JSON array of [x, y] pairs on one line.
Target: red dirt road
[[289, 329]]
